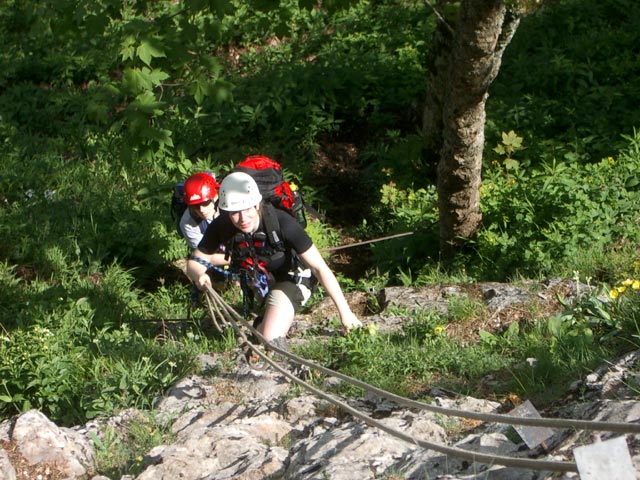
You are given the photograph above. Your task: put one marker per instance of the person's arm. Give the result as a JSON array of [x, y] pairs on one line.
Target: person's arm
[[197, 272], [313, 259], [190, 230]]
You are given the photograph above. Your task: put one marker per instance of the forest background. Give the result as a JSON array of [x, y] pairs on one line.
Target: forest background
[[105, 105]]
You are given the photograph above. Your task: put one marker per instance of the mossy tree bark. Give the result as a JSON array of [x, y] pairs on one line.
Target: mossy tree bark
[[468, 49]]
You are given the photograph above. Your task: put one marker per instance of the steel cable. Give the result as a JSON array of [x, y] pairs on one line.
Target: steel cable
[[234, 318], [211, 304], [545, 465], [614, 427]]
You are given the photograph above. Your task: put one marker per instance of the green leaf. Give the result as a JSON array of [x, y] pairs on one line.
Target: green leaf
[[562, 301], [156, 76], [221, 7], [134, 81], [126, 154], [554, 324], [195, 5], [307, 4], [148, 104], [264, 5], [512, 139], [96, 24], [632, 182], [200, 90], [97, 112], [211, 64], [488, 338], [511, 164], [513, 330], [147, 50], [127, 50], [222, 92]]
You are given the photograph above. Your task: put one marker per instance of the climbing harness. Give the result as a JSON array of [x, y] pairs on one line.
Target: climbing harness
[[251, 254]]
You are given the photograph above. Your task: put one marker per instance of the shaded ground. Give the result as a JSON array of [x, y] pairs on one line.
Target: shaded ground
[[338, 173]]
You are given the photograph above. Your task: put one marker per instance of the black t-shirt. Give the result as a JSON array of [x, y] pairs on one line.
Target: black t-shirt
[[221, 231]]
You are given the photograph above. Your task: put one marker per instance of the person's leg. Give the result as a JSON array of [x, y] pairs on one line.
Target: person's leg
[[284, 299], [278, 316]]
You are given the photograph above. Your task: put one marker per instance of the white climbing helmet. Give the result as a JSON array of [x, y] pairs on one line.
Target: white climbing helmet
[[238, 191]]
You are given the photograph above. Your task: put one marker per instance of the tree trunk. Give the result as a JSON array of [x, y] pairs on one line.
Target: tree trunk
[[458, 91], [438, 76]]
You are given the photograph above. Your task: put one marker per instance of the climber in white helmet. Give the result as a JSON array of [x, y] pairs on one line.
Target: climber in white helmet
[[278, 262]]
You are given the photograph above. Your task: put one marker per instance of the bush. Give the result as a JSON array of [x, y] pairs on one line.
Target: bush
[[542, 220]]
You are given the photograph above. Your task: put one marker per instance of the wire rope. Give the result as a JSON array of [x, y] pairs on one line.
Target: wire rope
[[234, 319]]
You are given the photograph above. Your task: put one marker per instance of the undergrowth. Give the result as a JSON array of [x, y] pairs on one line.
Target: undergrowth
[[536, 360], [104, 107]]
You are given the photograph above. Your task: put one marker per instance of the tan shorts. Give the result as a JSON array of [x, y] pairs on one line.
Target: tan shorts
[[287, 292]]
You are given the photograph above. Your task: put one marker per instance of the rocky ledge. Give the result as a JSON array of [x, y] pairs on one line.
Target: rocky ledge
[[234, 422]]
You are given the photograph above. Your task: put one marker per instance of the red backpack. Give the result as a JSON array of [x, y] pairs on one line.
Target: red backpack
[[273, 187]]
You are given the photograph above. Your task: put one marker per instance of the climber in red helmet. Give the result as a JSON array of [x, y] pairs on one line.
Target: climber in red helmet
[[201, 197]]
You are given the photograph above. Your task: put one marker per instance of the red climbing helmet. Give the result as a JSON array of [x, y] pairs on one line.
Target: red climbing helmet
[[200, 187]]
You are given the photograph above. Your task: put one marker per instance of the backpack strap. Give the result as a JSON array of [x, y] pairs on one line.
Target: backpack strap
[[275, 236], [272, 226]]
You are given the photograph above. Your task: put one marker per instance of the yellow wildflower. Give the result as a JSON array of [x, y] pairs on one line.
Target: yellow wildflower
[[627, 282], [613, 293], [621, 289], [635, 285], [438, 330]]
